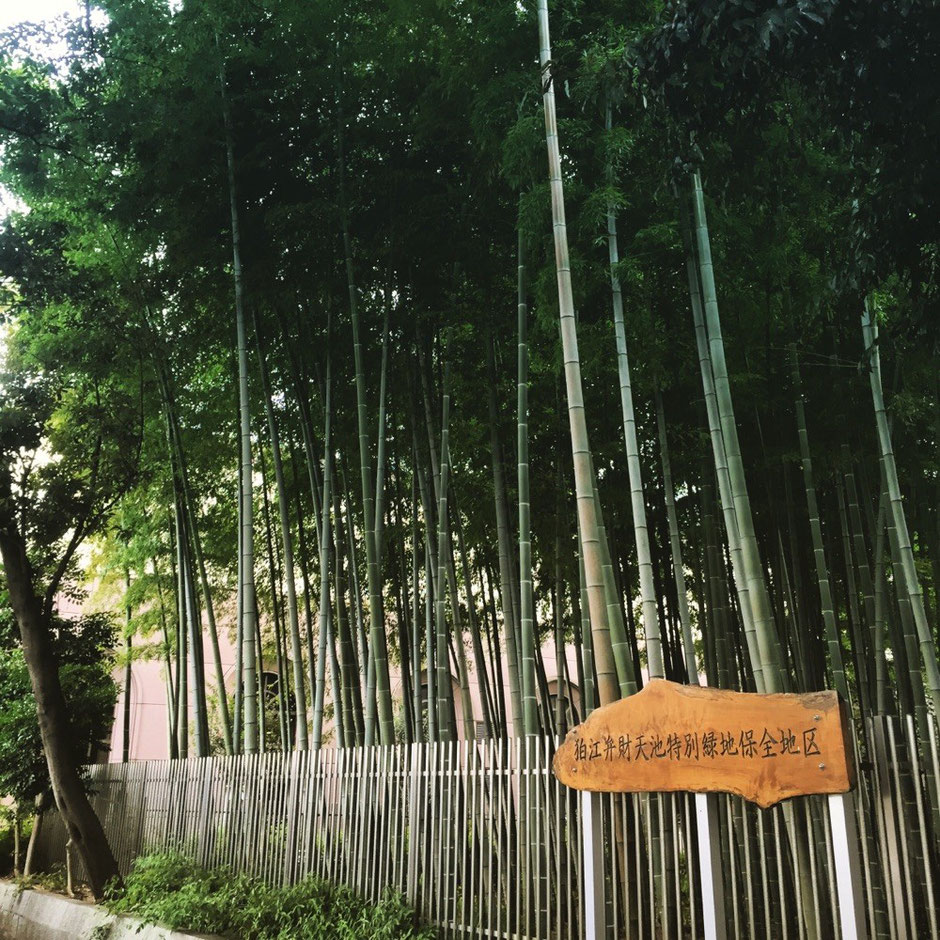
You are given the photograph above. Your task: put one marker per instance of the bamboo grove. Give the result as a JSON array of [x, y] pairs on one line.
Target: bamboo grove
[[414, 410]]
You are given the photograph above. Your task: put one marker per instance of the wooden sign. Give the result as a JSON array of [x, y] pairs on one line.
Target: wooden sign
[[765, 748]]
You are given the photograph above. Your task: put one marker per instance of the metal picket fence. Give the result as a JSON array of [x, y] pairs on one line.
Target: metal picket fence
[[484, 842]]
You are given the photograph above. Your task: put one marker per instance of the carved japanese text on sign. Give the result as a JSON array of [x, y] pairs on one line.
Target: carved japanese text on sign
[[765, 748]]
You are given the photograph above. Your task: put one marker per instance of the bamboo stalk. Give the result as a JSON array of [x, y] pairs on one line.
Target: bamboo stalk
[[378, 656], [319, 691], [771, 672], [675, 546], [827, 607], [446, 717], [301, 739], [651, 631], [530, 720], [908, 572], [507, 584], [608, 686], [249, 610]]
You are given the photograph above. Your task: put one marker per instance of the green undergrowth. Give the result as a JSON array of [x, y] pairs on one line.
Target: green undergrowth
[[52, 880], [171, 890]]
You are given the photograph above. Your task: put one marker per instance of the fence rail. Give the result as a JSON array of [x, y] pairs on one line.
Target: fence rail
[[484, 842]]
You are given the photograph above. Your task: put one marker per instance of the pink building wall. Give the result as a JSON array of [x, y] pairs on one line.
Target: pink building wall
[[149, 709]]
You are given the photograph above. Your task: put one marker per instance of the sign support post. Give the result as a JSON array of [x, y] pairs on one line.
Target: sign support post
[[848, 873], [764, 747], [592, 845], [709, 866]]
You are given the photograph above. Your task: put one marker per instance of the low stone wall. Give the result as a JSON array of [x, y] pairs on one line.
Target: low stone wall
[[37, 915]]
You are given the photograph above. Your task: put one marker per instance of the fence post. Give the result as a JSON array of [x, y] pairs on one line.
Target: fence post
[[845, 852], [592, 843], [292, 816], [143, 806], [411, 890], [206, 807], [711, 876]]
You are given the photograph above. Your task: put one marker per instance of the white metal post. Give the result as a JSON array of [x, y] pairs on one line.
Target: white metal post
[[592, 841], [414, 846], [709, 866], [845, 852]]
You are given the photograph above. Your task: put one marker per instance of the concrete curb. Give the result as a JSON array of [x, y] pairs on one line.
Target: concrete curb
[[36, 915]]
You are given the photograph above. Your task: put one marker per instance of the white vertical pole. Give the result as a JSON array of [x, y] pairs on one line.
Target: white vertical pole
[[845, 852], [414, 801], [709, 865], [592, 843]]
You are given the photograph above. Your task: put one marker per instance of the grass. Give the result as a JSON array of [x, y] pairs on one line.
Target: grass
[[171, 890]]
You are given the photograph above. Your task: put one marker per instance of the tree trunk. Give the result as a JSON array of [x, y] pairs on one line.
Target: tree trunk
[[38, 817], [17, 848], [81, 824]]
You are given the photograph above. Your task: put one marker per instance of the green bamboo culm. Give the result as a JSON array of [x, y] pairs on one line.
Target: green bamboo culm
[[530, 716], [429, 640], [880, 616], [379, 706], [506, 579], [722, 475], [830, 624], [608, 688], [458, 648], [446, 716], [178, 454], [379, 524], [319, 691], [675, 545], [774, 679], [623, 657], [415, 614], [182, 645], [860, 554], [197, 679], [246, 550], [345, 663], [909, 579], [301, 739], [651, 632], [589, 699], [274, 576]]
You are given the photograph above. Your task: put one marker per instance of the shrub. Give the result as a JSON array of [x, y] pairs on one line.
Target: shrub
[[170, 889]]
